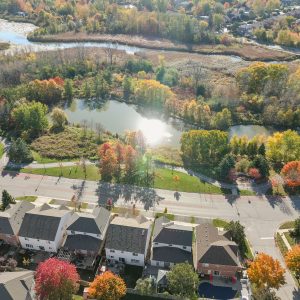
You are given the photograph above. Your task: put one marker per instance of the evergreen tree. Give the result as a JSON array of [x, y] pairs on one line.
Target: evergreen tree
[[69, 94], [262, 165], [226, 164], [262, 150], [19, 152], [6, 199]]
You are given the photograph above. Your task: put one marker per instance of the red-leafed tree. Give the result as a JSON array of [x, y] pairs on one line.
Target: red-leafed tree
[[108, 162], [291, 173], [254, 173], [56, 280]]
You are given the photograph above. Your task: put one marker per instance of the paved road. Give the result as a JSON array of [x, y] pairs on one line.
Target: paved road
[[261, 217]]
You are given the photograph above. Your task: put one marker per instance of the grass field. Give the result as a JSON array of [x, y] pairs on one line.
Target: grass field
[[75, 172], [288, 225], [27, 198], [291, 240], [163, 179], [220, 223], [1, 149]]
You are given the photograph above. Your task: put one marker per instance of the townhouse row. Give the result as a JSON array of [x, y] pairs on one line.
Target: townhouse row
[[133, 241]]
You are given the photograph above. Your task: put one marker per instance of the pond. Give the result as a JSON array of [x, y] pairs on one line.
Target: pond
[[117, 117], [158, 129]]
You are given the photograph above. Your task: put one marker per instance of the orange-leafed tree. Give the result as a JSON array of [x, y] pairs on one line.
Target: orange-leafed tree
[[291, 173], [265, 271], [292, 259], [107, 286]]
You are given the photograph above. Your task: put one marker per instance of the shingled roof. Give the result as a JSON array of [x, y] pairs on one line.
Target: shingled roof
[[82, 242], [171, 255], [11, 219], [128, 234], [92, 223], [42, 223], [16, 285], [214, 248], [167, 232]]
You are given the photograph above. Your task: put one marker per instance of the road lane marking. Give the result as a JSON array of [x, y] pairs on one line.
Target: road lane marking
[[267, 238]]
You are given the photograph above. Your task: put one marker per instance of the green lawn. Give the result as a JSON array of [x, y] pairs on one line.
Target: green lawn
[[75, 172], [77, 297], [163, 179], [287, 225], [1, 149], [247, 193], [27, 198], [45, 160], [291, 240], [281, 245], [220, 223], [248, 254], [171, 217]]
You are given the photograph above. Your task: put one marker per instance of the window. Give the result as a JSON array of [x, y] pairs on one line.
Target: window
[[184, 247], [26, 239], [72, 231], [170, 245], [134, 254], [156, 243], [157, 263], [216, 273], [112, 251], [28, 246], [111, 256], [135, 261]]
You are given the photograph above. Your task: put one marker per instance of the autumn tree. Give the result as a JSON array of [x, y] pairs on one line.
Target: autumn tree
[[291, 173], [182, 280], [108, 161], [204, 147], [283, 147], [292, 259], [266, 271], [59, 118], [226, 164], [107, 287], [56, 279], [45, 91]]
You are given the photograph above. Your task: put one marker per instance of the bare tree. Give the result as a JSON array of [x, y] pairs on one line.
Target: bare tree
[[194, 70]]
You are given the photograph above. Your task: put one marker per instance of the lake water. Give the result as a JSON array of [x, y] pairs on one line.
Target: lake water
[[159, 130], [118, 117], [16, 34]]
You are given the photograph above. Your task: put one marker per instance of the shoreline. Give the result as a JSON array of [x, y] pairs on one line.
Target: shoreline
[[247, 52]]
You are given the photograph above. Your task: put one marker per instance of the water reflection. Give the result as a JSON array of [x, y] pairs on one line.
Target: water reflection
[[118, 117]]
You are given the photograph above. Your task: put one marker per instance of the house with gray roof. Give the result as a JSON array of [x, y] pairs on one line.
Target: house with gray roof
[[11, 220], [128, 240], [87, 231], [171, 243], [17, 285], [214, 253], [43, 228]]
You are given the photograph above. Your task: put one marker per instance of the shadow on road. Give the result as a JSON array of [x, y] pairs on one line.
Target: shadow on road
[[279, 201], [147, 196]]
